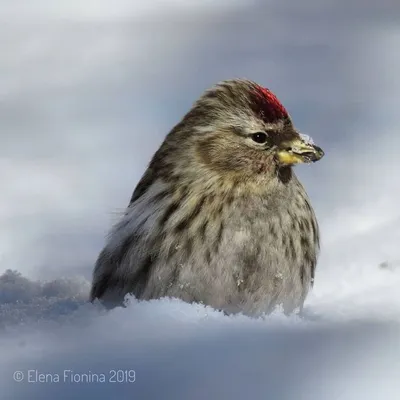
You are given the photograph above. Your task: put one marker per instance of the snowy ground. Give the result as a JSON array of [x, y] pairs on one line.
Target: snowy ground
[[87, 93], [347, 346]]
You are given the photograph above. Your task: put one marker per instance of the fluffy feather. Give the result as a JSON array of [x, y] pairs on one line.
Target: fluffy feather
[[215, 218]]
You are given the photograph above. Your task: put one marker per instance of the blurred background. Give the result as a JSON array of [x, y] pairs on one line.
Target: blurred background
[[89, 89]]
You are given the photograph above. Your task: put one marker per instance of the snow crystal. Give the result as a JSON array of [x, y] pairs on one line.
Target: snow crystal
[[306, 138]]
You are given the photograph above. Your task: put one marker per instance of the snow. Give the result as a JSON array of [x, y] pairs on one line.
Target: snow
[[307, 139], [79, 86], [347, 346]]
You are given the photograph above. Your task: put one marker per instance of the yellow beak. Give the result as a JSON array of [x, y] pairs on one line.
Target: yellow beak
[[298, 151]]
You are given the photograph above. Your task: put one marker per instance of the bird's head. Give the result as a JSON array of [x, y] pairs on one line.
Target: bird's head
[[239, 127]]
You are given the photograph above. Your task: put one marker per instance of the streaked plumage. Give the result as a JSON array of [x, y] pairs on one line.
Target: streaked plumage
[[219, 217]]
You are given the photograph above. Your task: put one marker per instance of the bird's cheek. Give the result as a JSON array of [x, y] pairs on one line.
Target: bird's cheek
[[262, 167], [220, 156], [262, 162]]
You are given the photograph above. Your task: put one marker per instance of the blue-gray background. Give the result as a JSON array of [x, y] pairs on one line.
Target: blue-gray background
[[88, 90]]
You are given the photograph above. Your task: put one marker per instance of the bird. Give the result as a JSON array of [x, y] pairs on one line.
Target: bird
[[219, 217]]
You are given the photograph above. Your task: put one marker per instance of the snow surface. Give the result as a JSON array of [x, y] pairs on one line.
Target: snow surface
[[80, 82], [346, 347]]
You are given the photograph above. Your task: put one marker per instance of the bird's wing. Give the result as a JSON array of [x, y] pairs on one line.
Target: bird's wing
[[102, 276], [121, 269], [124, 264], [145, 182]]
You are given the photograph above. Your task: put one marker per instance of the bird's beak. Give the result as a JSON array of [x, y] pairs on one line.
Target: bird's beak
[[298, 150]]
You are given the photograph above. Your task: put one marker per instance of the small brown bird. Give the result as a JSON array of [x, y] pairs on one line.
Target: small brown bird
[[219, 217]]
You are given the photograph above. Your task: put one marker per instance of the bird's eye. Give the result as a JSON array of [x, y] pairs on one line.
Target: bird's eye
[[259, 137]]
